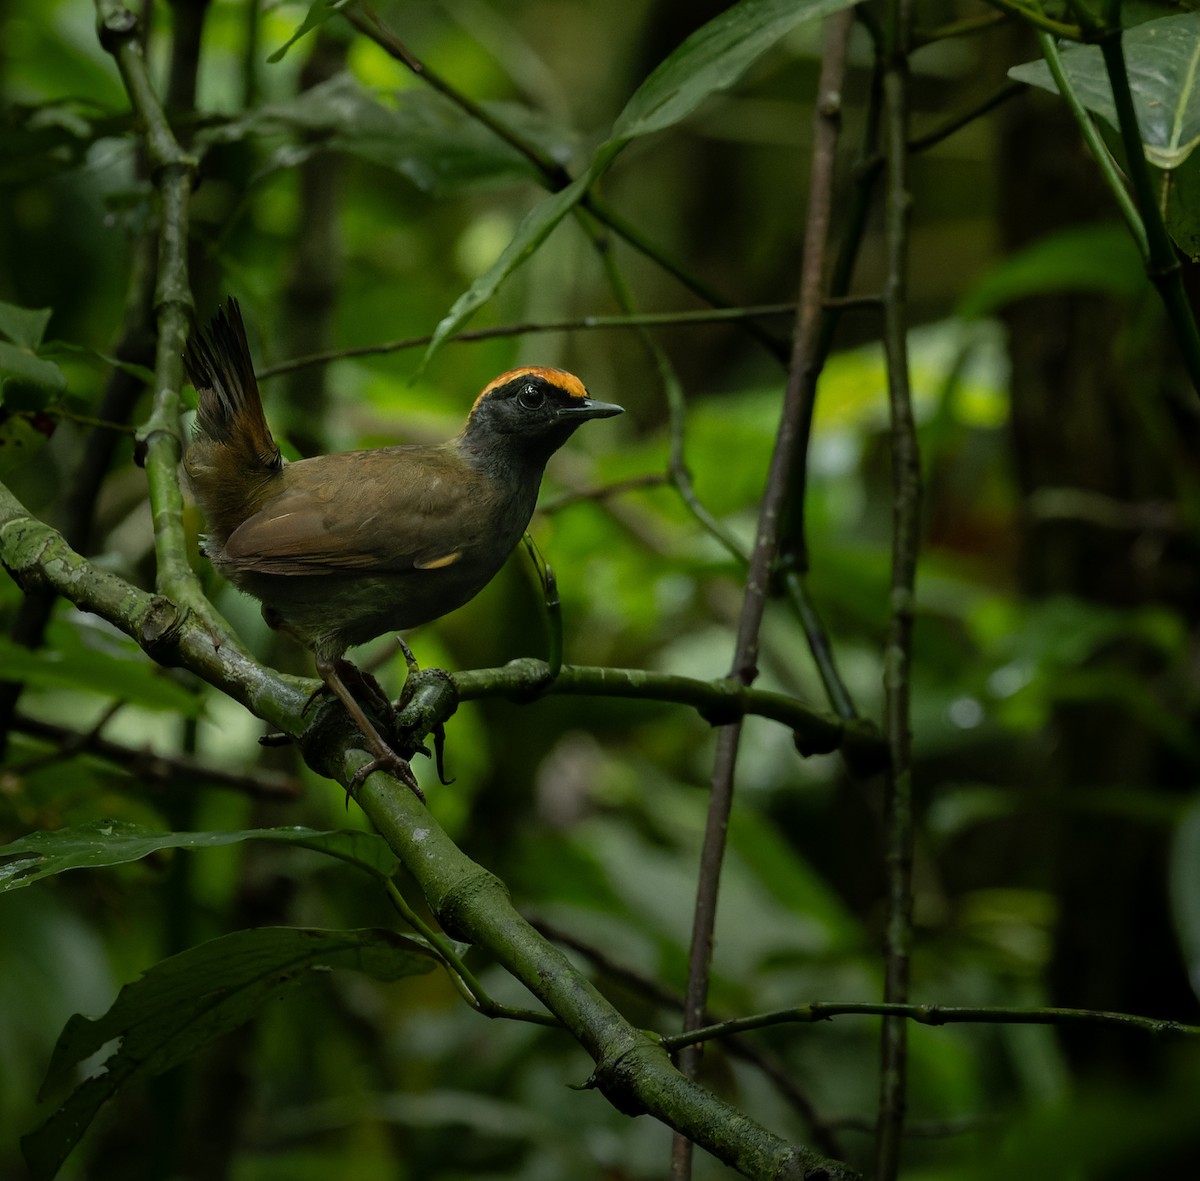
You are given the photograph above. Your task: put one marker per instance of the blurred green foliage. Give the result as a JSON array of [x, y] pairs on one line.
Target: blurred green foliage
[[1054, 726]]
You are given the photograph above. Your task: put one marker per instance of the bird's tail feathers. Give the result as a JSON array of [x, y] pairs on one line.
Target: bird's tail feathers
[[230, 413]]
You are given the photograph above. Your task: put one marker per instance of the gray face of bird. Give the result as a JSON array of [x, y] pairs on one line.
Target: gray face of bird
[[525, 416]]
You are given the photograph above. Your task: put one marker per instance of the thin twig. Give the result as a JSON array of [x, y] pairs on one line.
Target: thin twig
[[1095, 142], [465, 981], [163, 770], [604, 491], [906, 515], [1039, 20], [945, 130], [766, 546], [552, 174], [768, 1063], [575, 324], [932, 1015]]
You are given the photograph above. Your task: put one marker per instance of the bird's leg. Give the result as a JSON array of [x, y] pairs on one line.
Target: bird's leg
[[385, 758]]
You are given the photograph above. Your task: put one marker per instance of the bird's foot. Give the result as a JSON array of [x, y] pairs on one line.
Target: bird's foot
[[385, 759]]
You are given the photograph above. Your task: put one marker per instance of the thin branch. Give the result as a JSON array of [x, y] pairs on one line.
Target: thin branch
[[1039, 20], [747, 1051], [604, 491], [789, 442], [162, 770], [932, 1015], [1095, 142], [719, 702], [464, 980], [793, 561], [161, 439], [906, 516], [957, 122], [552, 174], [631, 1070], [968, 26], [678, 472], [576, 324]]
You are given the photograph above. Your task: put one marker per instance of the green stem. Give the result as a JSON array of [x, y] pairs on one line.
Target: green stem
[[1039, 20], [1095, 142], [465, 981], [161, 438]]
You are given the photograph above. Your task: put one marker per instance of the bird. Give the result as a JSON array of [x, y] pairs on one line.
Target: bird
[[345, 547]]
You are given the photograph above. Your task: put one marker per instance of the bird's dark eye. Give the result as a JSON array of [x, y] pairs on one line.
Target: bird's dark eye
[[531, 397]]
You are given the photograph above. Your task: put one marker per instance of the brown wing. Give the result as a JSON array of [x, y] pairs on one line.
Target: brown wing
[[392, 509]]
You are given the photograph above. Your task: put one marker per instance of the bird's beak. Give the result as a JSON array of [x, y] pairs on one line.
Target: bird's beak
[[581, 408]]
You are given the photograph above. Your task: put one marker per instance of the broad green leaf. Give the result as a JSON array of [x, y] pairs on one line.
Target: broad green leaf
[[713, 58], [1163, 61], [18, 365], [318, 13], [115, 842], [24, 326], [70, 348], [187, 1001], [1183, 207], [97, 663], [1094, 258]]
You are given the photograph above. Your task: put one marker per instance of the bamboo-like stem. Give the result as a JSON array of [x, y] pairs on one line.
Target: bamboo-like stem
[[906, 517]]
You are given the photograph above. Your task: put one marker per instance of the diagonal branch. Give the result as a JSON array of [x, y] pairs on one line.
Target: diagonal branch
[[906, 516], [632, 1071], [788, 444]]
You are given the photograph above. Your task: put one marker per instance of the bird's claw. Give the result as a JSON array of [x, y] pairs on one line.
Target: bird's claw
[[394, 764]]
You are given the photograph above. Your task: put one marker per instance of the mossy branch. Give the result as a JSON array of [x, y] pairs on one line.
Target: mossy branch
[[631, 1069]]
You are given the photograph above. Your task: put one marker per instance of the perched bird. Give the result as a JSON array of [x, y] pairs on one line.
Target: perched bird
[[342, 548]]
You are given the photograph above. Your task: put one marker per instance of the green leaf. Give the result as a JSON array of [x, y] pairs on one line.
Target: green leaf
[[71, 349], [115, 842], [424, 136], [24, 326], [1163, 61], [1183, 207], [713, 58], [187, 1001], [1101, 258], [88, 660], [318, 13], [534, 229], [19, 365]]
